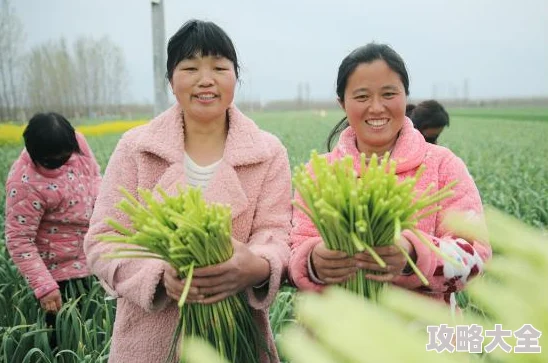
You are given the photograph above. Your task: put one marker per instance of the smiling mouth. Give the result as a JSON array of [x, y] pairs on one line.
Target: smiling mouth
[[377, 123], [206, 97]]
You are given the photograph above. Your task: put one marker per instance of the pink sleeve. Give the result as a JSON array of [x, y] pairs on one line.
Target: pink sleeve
[[134, 279], [270, 231], [304, 237], [24, 211], [442, 276]]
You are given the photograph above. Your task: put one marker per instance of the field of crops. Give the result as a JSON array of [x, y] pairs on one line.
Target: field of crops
[[505, 151]]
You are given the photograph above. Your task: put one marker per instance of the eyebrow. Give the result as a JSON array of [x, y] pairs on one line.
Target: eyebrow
[[385, 88]]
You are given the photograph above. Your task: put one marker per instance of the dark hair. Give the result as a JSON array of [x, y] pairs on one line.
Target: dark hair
[[409, 109], [48, 135], [197, 37], [366, 54], [428, 114]]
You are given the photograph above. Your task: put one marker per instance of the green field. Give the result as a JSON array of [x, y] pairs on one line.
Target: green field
[[505, 150]]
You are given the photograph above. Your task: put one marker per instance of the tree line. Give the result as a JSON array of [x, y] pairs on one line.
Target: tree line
[[87, 78]]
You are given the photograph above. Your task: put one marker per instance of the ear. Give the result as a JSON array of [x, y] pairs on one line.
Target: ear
[[341, 103]]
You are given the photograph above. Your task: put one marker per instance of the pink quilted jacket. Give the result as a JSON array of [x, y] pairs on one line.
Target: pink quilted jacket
[[253, 178], [442, 166], [47, 216]]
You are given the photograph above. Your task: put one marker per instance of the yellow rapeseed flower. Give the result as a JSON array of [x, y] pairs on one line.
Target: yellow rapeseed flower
[[13, 134]]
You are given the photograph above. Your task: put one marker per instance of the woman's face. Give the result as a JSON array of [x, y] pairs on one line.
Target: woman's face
[[204, 87], [374, 102]]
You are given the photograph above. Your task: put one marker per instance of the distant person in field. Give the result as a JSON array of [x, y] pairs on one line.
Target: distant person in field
[[430, 118], [50, 192], [372, 88], [409, 109], [203, 141]]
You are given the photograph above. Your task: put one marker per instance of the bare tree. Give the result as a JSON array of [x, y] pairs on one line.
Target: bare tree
[[50, 78], [11, 39], [89, 81]]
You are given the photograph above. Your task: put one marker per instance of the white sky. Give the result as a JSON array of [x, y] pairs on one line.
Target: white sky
[[499, 46]]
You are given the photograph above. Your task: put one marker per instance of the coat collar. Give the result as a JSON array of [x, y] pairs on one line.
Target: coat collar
[[409, 151], [164, 138]]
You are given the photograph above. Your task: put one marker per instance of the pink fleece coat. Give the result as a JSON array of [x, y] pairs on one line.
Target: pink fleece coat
[[253, 177], [47, 216], [442, 167]]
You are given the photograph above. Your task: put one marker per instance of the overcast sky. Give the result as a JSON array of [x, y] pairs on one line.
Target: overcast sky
[[499, 46]]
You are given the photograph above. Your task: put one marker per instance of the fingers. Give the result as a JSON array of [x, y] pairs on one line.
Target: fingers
[[339, 273], [334, 271], [213, 270], [321, 263], [392, 265], [52, 302], [380, 278], [58, 302], [216, 298], [50, 307], [194, 295], [211, 281], [391, 255], [175, 286], [218, 289], [327, 254], [384, 252]]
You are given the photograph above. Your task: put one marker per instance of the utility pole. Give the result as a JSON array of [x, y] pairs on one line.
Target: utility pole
[[158, 56], [465, 90]]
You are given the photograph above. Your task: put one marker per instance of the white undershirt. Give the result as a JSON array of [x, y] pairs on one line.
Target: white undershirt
[[199, 176]]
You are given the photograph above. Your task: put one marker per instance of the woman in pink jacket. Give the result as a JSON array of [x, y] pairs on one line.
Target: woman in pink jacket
[[203, 140], [372, 88], [50, 192]]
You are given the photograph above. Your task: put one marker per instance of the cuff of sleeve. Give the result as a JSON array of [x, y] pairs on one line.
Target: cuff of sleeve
[[426, 262], [262, 284], [262, 296], [137, 280], [156, 300], [42, 291], [298, 266], [160, 299], [311, 273]]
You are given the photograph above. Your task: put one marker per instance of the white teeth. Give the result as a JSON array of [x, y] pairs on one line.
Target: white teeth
[[377, 123], [206, 97]]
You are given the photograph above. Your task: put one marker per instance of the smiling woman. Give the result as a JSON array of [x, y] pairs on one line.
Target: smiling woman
[[372, 88], [203, 140]]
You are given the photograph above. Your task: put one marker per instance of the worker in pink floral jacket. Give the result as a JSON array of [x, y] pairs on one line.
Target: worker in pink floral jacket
[[372, 88], [50, 193]]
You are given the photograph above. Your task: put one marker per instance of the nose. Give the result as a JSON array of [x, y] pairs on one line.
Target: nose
[[206, 78], [376, 105]]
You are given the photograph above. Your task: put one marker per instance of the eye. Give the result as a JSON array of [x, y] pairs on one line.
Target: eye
[[189, 69], [361, 97], [221, 69], [389, 94]]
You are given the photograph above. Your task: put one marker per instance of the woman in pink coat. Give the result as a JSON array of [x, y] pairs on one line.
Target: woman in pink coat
[[50, 192], [205, 141], [372, 88]]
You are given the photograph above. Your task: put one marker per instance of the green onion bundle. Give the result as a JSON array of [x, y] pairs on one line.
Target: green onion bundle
[[188, 233], [355, 212]]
